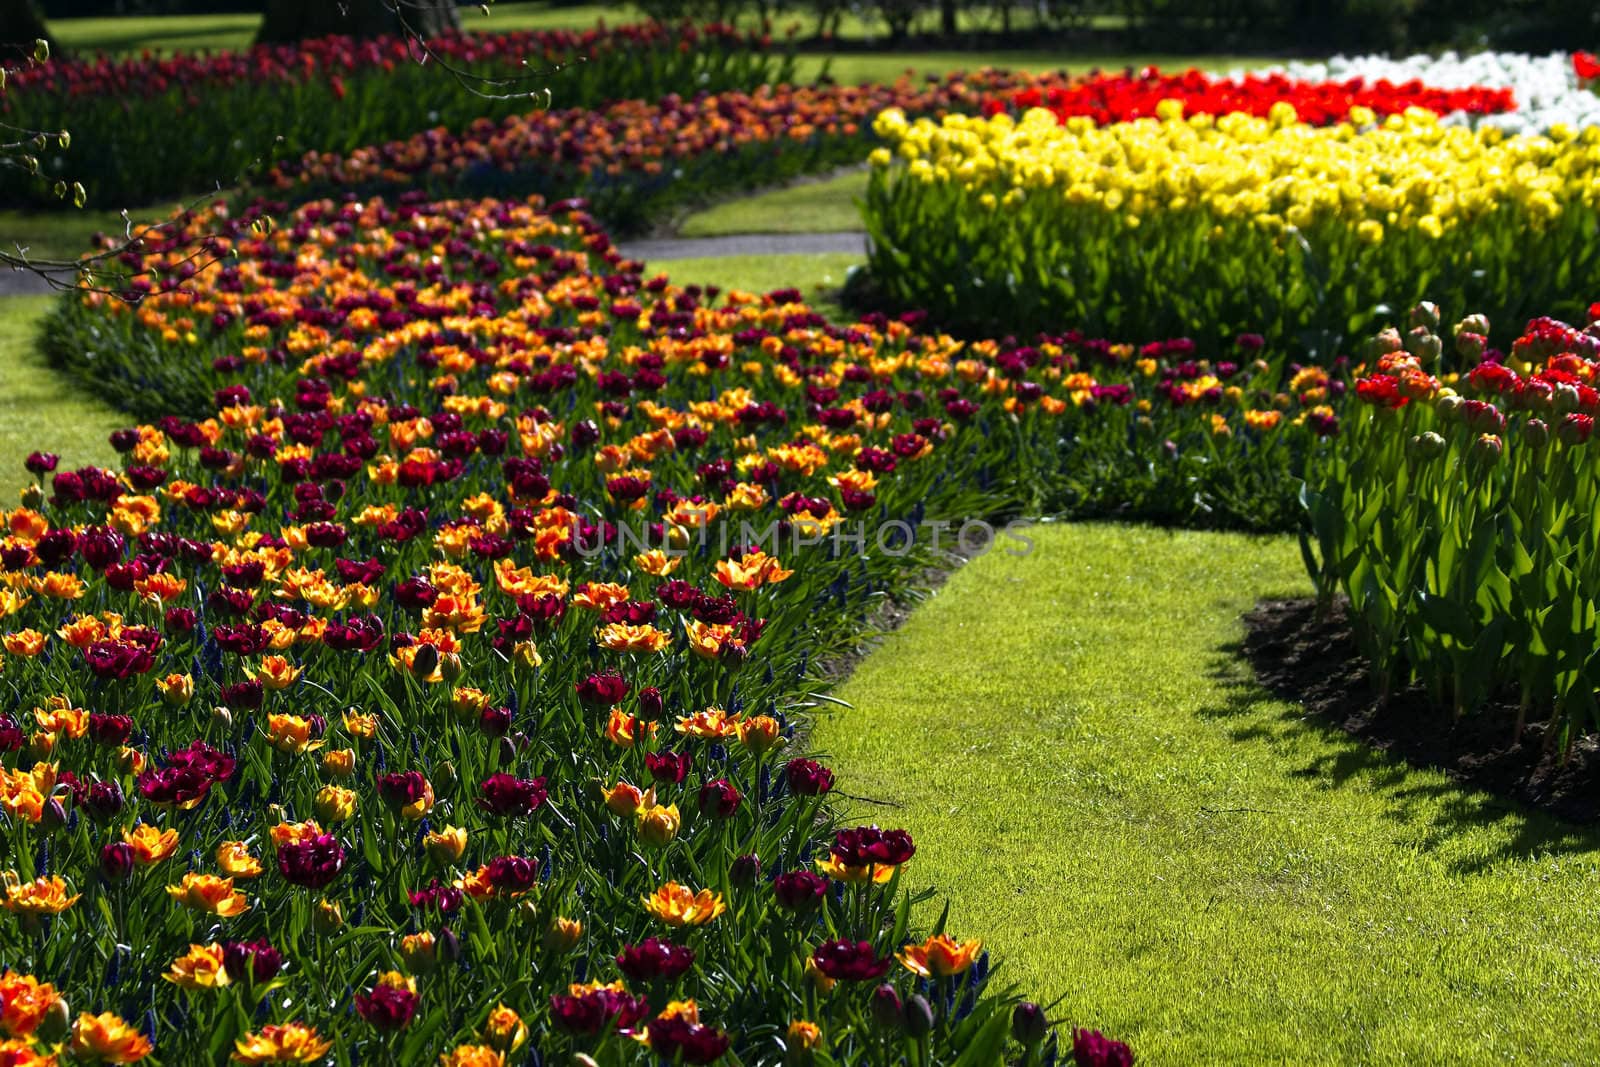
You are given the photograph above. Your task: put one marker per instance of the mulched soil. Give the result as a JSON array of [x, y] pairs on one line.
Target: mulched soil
[[1316, 664]]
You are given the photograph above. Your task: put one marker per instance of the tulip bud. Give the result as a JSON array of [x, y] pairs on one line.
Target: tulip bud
[[1536, 433], [1425, 314], [450, 667], [1470, 346], [744, 871], [446, 778], [1448, 407], [918, 1017], [1430, 445], [116, 861], [1478, 324], [129, 760], [41, 744], [32, 496], [449, 945], [327, 917], [222, 716], [1486, 450], [562, 934], [1384, 342], [420, 952], [1028, 1024], [1566, 397], [651, 706], [887, 1011], [1421, 343], [57, 1022], [583, 1059], [425, 662], [446, 846], [55, 814]]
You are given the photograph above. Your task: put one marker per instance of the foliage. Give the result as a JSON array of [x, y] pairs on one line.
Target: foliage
[[1211, 226], [1459, 515]]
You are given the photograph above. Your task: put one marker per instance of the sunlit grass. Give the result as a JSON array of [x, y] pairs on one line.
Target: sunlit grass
[[43, 410], [818, 276], [1095, 782]]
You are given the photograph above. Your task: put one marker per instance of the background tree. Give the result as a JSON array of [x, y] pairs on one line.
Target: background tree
[[295, 20], [21, 25]]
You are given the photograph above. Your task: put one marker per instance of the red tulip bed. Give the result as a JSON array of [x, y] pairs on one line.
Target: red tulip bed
[[1458, 520], [1135, 95], [155, 127]]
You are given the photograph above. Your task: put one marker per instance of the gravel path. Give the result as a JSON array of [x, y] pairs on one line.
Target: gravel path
[[22, 283], [744, 244]]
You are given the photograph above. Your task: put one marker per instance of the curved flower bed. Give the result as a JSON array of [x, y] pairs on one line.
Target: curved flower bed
[[632, 161], [1457, 516], [149, 127], [1172, 430], [1213, 225], [430, 694], [1122, 98]]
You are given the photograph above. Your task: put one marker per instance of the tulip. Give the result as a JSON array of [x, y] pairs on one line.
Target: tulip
[[918, 1018], [1028, 1025], [887, 1010]]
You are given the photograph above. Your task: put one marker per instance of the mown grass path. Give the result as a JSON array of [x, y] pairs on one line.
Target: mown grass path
[[42, 410], [1101, 790]]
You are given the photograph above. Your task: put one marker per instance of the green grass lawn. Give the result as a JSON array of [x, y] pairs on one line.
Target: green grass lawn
[[43, 410], [170, 33], [1093, 779], [823, 206], [817, 276], [66, 233], [855, 68]]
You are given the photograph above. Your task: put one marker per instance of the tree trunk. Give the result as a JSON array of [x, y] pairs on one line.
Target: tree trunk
[[947, 17], [20, 26], [295, 20]]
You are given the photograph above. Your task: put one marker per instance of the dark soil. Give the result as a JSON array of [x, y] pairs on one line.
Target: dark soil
[[1317, 665]]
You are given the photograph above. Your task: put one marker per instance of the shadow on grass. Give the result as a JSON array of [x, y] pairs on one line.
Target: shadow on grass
[[1448, 807], [169, 38]]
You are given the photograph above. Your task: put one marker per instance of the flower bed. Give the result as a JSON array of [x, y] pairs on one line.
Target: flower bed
[[634, 160], [1212, 226], [153, 127], [431, 692], [1172, 430], [1548, 89], [1122, 98], [1458, 517]]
